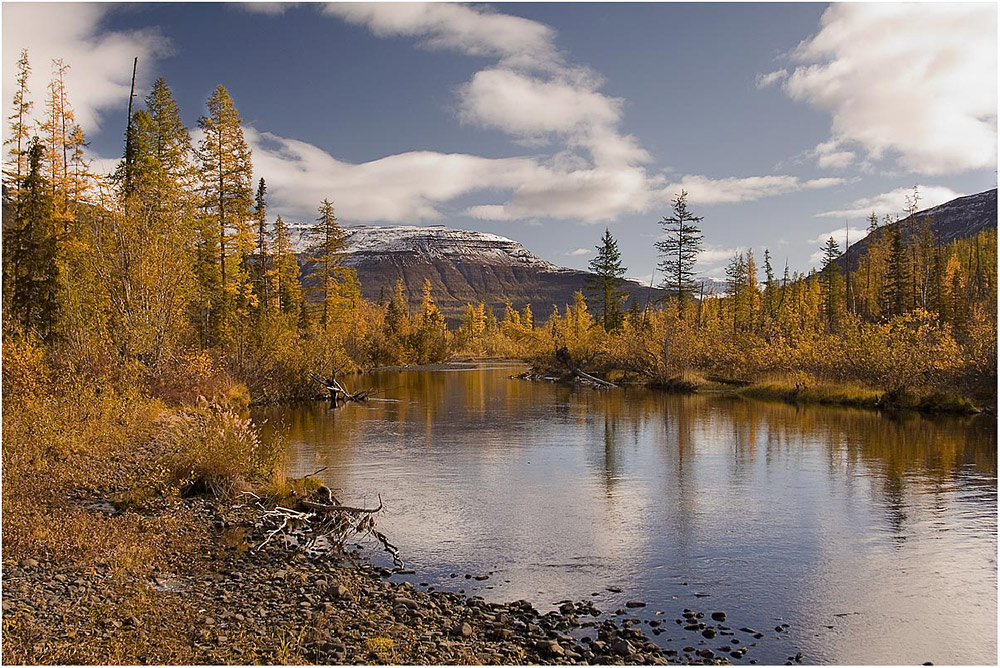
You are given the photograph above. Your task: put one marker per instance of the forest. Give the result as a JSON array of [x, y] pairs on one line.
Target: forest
[[146, 309], [168, 274]]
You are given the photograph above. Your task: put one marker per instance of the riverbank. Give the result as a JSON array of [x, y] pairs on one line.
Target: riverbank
[[793, 389], [126, 540], [212, 597]]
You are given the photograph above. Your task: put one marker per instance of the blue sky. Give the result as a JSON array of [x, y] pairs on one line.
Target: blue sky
[[544, 122]]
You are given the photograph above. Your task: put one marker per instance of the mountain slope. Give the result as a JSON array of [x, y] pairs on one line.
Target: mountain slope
[[464, 267], [958, 219]]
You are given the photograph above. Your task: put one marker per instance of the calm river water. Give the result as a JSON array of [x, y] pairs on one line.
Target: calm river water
[[874, 538]]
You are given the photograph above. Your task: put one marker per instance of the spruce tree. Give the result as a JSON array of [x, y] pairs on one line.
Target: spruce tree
[[679, 251], [606, 283], [327, 241], [898, 286], [286, 270], [832, 282], [261, 271], [30, 247]]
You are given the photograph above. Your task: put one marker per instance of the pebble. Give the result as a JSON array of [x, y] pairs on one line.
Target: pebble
[[635, 604]]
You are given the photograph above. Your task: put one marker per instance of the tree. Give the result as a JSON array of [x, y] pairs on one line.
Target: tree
[[30, 247], [19, 121], [261, 272], [605, 285], [898, 286], [832, 283], [679, 250], [286, 270], [328, 241], [226, 172]]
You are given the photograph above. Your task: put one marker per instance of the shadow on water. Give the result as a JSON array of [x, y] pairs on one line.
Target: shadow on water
[[873, 537]]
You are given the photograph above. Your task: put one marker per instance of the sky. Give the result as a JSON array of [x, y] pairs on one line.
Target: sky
[[547, 122]]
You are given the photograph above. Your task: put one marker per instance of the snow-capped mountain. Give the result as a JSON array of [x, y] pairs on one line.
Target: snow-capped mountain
[[464, 267]]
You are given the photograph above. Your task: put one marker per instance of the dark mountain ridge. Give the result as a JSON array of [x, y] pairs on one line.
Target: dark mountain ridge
[[959, 218]]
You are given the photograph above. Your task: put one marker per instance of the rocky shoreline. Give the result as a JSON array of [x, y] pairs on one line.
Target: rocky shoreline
[[235, 603]]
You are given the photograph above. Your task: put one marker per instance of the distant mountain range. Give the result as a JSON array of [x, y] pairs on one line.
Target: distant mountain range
[[469, 267], [465, 267], [960, 218]]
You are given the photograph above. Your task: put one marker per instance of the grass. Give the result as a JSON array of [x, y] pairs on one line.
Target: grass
[[93, 477], [802, 389]]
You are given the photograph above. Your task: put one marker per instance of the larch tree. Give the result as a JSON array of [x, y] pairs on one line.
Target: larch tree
[[226, 172], [145, 245], [605, 285], [19, 124], [679, 250]]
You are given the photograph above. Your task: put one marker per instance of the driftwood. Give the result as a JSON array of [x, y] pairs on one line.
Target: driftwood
[[563, 356], [336, 392], [320, 524]]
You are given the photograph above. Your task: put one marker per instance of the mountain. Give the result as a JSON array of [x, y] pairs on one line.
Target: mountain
[[464, 267], [960, 218]]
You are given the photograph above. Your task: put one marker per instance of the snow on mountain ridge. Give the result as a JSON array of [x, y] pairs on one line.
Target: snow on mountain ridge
[[429, 243]]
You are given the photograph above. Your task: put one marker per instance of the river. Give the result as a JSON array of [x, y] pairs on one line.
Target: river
[[874, 538]]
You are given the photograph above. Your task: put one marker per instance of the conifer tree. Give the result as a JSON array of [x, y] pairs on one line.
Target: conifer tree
[[679, 250], [286, 270], [30, 247], [19, 125], [832, 283], [899, 275], [261, 271], [327, 241], [226, 172], [606, 282]]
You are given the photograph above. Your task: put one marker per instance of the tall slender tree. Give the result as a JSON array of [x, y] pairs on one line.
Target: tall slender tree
[[679, 250], [605, 285], [226, 173], [20, 123], [327, 242]]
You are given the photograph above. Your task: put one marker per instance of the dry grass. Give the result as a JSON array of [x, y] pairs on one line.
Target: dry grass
[[801, 388]]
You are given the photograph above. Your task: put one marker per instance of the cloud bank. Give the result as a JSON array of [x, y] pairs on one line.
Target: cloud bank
[[100, 61], [915, 83], [892, 202]]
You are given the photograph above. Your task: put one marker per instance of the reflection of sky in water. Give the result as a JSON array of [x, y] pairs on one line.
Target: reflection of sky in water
[[875, 538]]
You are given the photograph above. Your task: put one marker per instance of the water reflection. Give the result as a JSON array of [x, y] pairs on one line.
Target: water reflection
[[874, 537]]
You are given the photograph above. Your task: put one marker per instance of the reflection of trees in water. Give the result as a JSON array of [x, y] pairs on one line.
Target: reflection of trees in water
[[901, 455]]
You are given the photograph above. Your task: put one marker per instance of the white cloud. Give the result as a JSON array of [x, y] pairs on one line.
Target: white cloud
[[842, 236], [830, 155], [100, 62], [267, 8], [532, 94], [406, 187], [711, 255], [916, 82], [529, 106], [579, 251], [771, 78], [474, 31], [706, 190], [892, 202]]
